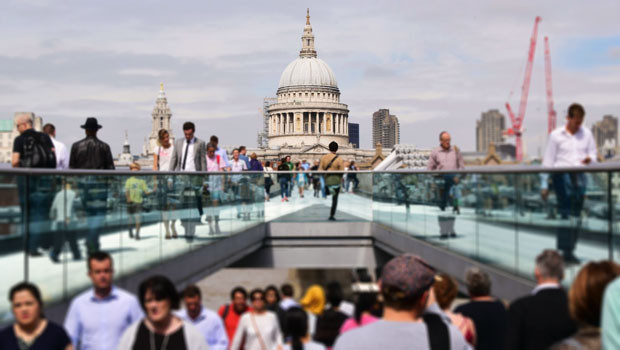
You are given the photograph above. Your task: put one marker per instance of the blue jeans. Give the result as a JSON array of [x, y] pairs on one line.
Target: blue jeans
[[95, 220], [285, 189], [323, 191], [448, 180], [570, 191]]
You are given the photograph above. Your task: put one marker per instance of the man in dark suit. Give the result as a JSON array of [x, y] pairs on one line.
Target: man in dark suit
[[189, 156], [541, 319]]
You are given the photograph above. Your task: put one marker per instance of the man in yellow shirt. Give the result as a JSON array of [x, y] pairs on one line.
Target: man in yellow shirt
[[331, 162], [135, 189]]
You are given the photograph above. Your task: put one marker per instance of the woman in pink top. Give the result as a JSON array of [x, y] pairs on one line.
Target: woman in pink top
[[366, 302]]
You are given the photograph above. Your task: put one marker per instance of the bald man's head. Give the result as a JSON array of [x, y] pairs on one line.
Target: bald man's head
[[23, 122]]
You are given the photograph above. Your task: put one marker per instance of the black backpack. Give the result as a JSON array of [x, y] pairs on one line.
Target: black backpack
[[37, 153]]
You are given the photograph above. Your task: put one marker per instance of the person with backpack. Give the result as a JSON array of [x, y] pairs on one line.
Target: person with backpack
[[331, 162], [33, 149], [231, 313]]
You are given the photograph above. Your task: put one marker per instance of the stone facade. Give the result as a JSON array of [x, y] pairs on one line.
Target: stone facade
[[605, 134], [161, 120]]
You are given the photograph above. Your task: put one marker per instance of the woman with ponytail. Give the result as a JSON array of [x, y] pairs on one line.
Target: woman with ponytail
[[297, 330]]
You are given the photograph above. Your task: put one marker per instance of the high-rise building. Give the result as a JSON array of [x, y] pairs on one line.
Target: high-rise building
[[354, 134], [489, 129], [161, 120], [605, 134], [385, 129]]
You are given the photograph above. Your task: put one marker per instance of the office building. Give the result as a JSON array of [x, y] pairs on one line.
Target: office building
[[385, 129], [489, 129]]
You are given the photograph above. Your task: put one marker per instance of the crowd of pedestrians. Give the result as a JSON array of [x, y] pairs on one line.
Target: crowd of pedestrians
[[413, 309], [62, 202]]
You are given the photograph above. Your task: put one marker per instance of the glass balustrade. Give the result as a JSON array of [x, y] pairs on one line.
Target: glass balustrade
[[50, 221]]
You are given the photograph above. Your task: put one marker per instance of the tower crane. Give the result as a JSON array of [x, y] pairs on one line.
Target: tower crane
[[550, 111], [517, 121]]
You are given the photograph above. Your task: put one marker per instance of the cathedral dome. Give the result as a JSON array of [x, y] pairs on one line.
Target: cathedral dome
[[308, 71]]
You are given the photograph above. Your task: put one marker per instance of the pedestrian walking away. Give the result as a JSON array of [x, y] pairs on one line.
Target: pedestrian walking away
[[92, 153], [331, 162], [33, 149]]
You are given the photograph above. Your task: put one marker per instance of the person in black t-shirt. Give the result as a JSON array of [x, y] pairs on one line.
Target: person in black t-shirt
[[489, 314], [35, 192], [31, 330]]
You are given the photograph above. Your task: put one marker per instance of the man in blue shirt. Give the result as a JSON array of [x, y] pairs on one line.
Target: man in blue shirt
[[98, 317], [221, 153], [243, 155], [208, 322]]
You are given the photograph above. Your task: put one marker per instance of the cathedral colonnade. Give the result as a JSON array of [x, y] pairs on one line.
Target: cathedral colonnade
[[308, 123]]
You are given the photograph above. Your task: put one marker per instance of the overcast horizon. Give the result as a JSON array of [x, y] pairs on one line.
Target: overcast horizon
[[436, 66]]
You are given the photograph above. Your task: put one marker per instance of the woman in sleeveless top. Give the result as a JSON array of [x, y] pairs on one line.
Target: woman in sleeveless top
[[446, 289], [161, 162]]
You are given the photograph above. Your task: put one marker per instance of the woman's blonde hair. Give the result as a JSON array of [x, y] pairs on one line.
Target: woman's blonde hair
[[160, 136]]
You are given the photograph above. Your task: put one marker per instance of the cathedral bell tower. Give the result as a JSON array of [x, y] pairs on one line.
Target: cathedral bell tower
[[161, 120]]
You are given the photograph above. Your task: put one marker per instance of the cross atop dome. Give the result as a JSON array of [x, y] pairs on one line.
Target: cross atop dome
[[307, 40], [161, 94]]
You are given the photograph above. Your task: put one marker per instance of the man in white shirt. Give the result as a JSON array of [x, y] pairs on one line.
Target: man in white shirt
[[569, 146], [62, 156]]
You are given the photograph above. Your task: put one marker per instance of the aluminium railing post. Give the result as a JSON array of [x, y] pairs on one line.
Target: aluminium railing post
[[610, 216], [26, 224]]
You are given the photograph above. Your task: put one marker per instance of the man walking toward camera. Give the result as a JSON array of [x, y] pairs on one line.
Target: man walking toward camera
[[569, 146], [190, 156]]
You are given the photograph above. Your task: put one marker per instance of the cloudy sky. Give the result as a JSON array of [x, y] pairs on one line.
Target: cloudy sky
[[436, 65]]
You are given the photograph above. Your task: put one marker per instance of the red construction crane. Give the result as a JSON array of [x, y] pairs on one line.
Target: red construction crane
[[517, 122], [548, 83]]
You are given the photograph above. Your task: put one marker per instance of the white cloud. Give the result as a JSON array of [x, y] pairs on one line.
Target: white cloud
[[435, 66]]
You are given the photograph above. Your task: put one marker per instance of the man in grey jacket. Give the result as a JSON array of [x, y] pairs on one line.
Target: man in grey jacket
[[189, 152], [189, 156]]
